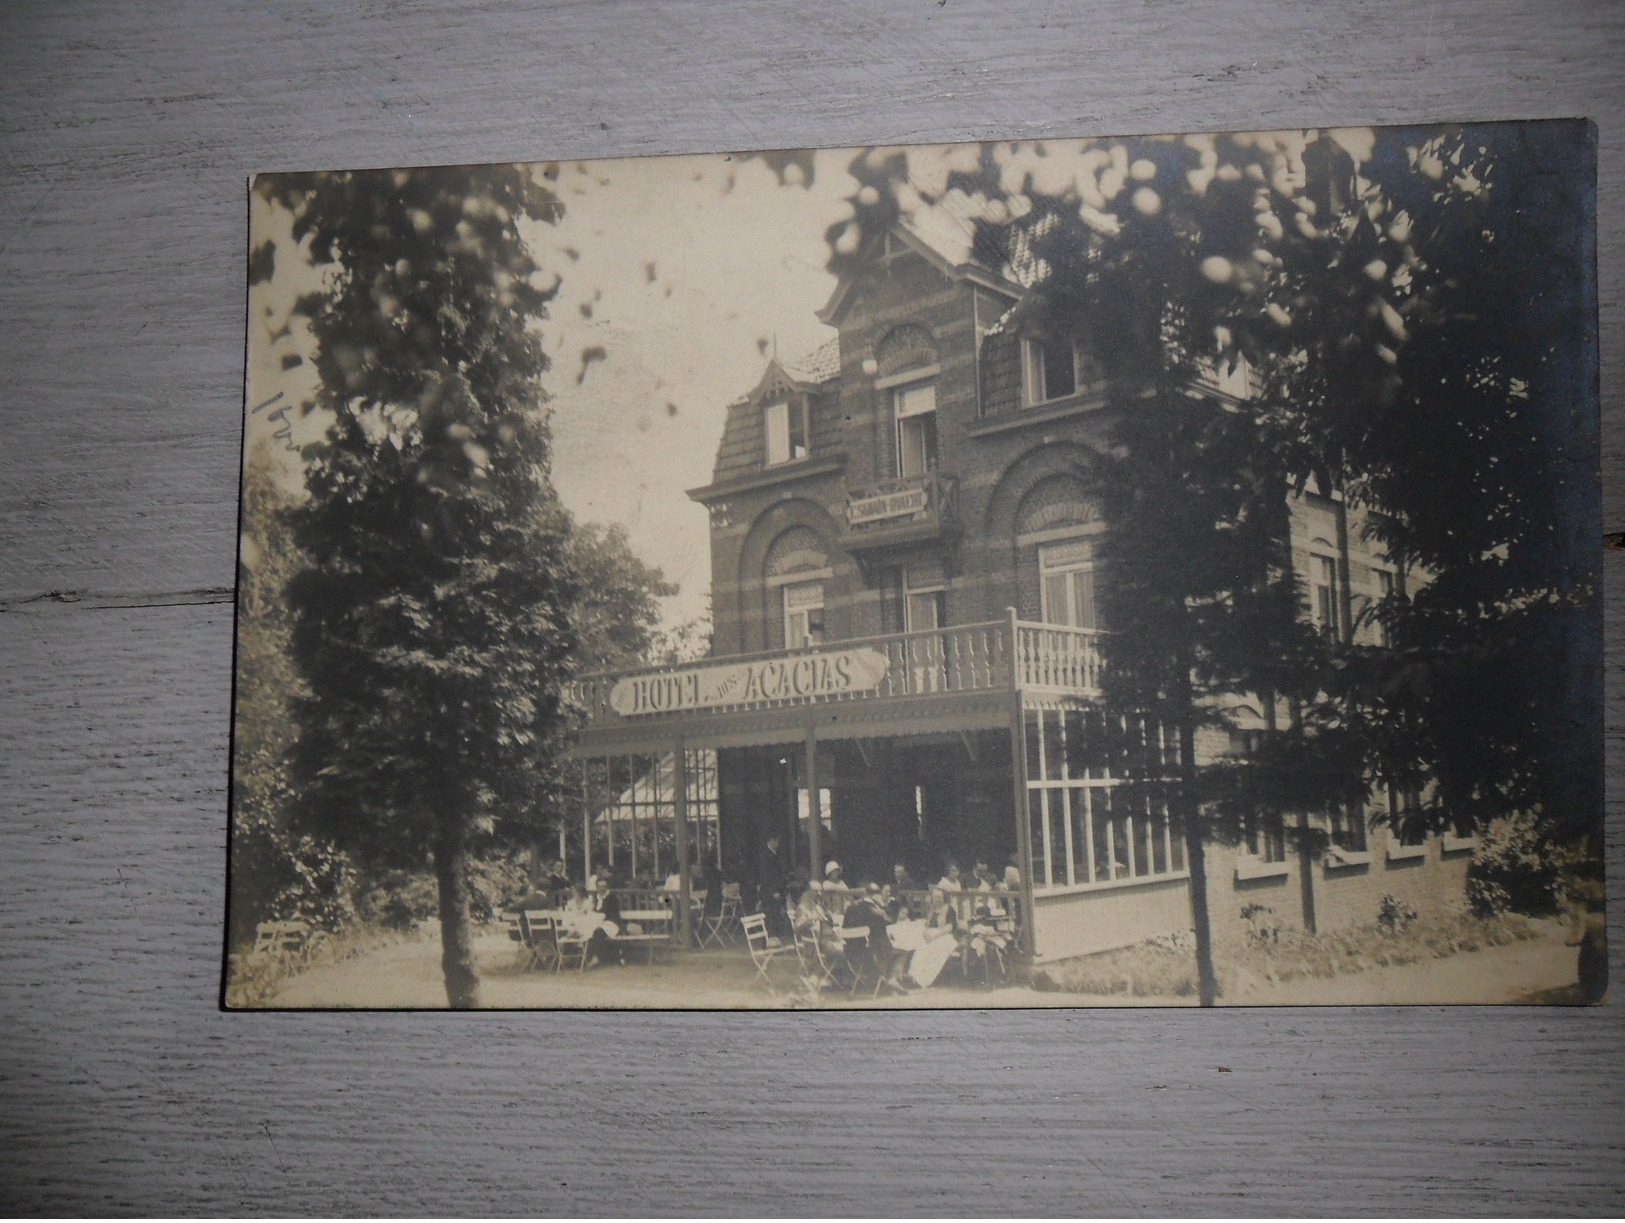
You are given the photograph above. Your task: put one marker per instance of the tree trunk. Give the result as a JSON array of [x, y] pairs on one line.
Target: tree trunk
[[1207, 984], [456, 939]]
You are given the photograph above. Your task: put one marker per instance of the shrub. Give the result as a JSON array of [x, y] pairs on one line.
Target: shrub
[[1514, 871], [1262, 930], [278, 876], [1393, 914], [399, 900]]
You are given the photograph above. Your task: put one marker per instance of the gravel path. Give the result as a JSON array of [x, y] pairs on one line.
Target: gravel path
[[407, 975]]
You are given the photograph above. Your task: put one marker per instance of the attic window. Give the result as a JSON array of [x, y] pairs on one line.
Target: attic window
[[786, 423], [1049, 370]]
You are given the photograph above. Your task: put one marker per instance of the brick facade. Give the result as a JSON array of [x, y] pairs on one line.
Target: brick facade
[[1007, 477]]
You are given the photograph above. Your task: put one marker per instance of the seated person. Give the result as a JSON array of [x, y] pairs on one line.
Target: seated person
[[809, 918], [939, 943], [951, 880], [982, 878], [557, 881], [867, 912], [901, 880], [608, 926], [536, 898], [833, 881]]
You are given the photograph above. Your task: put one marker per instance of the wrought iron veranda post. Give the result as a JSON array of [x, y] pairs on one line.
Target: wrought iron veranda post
[[586, 822], [680, 810], [1018, 785], [814, 807]]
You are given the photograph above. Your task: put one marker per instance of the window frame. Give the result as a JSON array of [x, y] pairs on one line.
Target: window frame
[[1034, 375], [1068, 570], [1399, 849], [1384, 582], [1339, 855], [792, 410], [937, 588], [1328, 617], [808, 641], [1256, 853], [1075, 814], [930, 440]]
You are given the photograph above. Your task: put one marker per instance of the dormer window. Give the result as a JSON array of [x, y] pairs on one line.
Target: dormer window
[[786, 423], [915, 405], [1051, 369]]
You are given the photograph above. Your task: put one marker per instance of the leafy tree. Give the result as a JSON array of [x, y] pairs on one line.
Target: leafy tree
[[1484, 462], [617, 615], [432, 624], [276, 872], [1356, 277]]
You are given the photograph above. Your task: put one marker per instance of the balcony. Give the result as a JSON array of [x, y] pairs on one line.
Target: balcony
[[902, 511], [962, 677]]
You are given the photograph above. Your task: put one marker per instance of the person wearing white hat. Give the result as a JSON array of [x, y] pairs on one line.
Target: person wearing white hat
[[832, 878]]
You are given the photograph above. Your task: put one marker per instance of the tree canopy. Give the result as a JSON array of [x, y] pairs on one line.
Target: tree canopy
[[432, 624], [1415, 309]]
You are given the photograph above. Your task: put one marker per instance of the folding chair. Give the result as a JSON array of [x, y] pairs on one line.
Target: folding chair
[[516, 935], [717, 929], [763, 949], [536, 929], [281, 940], [858, 955], [815, 965], [568, 945]]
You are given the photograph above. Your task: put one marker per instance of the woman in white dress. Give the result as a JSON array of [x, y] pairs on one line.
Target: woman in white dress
[[934, 940]]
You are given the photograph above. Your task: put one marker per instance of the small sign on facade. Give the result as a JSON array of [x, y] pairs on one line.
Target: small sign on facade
[[887, 505]]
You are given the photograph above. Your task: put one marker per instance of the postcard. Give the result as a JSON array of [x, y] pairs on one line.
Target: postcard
[[1107, 571]]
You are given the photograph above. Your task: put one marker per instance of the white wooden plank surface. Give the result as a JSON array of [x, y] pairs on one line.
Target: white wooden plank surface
[[128, 132]]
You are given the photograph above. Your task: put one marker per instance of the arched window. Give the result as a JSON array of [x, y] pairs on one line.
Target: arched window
[[1066, 571], [1057, 527], [797, 568], [906, 365]]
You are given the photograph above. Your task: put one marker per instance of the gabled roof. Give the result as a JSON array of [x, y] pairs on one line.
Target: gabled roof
[[945, 235], [817, 367], [800, 375]]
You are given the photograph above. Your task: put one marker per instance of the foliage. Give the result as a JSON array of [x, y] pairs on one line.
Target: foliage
[[1515, 871], [282, 876], [1413, 306], [399, 900], [276, 873], [616, 615], [1161, 967], [432, 624], [1263, 928], [1394, 915], [1483, 462]]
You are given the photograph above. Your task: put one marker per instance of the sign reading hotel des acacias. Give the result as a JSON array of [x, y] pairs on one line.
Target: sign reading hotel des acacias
[[811, 676]]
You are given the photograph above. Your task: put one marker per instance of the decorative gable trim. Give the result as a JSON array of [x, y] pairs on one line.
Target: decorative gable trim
[[835, 308]]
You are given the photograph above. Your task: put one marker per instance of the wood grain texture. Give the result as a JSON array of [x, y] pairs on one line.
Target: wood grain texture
[[128, 133]]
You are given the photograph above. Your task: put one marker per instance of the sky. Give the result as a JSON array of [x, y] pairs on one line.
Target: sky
[[686, 271]]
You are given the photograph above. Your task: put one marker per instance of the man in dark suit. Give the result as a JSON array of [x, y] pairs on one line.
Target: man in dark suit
[[868, 912], [557, 883], [770, 884], [601, 945]]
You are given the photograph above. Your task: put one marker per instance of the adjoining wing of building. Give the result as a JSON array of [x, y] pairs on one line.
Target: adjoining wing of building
[[905, 665]]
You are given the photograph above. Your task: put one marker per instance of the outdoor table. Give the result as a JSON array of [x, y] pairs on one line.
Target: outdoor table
[[656, 927]]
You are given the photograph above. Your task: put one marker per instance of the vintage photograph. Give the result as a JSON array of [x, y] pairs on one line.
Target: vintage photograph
[[1129, 571]]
